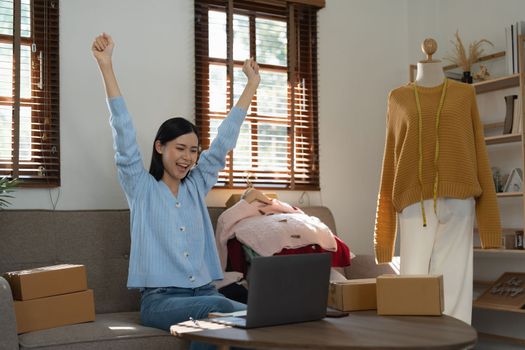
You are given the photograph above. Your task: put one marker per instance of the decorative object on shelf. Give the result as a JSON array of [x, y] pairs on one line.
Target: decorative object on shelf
[[467, 77], [6, 187], [519, 240], [517, 120], [515, 181], [464, 59], [506, 293], [482, 74], [508, 241], [509, 113], [496, 176]]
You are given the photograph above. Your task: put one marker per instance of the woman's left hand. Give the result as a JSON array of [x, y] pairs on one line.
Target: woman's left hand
[[251, 70]]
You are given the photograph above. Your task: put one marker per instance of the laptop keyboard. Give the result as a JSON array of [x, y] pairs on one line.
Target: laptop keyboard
[[239, 321]]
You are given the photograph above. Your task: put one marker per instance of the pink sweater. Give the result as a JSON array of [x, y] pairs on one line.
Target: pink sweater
[[269, 228]]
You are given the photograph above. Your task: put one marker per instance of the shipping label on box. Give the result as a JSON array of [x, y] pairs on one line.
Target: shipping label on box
[[410, 295], [59, 310], [47, 281], [353, 295]]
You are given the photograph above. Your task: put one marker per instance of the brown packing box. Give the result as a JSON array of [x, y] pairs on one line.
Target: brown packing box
[[410, 295], [59, 310], [353, 295], [47, 281]]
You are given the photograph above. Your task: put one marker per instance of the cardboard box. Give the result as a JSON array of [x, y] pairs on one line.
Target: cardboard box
[[353, 295], [47, 281], [59, 310], [410, 295]]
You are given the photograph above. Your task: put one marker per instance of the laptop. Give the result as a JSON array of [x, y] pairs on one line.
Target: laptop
[[284, 289]]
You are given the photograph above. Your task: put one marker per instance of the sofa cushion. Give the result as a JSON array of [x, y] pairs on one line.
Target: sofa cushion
[[98, 239], [114, 330]]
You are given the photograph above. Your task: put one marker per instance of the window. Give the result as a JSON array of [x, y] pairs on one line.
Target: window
[[278, 144], [29, 92]]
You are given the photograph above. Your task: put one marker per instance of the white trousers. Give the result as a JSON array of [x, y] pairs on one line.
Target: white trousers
[[444, 247]]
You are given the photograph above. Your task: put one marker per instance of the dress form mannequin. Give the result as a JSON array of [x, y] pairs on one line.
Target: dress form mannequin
[[443, 245], [423, 197], [429, 71]]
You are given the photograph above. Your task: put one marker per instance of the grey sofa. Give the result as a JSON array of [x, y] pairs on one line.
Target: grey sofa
[[99, 239]]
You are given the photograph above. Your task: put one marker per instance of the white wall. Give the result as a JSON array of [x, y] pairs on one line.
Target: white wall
[[362, 56], [364, 52]]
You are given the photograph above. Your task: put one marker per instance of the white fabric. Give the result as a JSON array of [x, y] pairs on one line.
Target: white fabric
[[336, 276], [430, 74], [444, 247]]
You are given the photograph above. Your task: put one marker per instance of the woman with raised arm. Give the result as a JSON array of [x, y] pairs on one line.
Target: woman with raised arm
[[173, 256]]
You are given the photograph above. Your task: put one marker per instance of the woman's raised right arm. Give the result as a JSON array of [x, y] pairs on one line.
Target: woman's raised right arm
[[102, 49], [130, 168]]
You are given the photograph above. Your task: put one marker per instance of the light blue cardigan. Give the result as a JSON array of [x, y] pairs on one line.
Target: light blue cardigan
[[172, 239]]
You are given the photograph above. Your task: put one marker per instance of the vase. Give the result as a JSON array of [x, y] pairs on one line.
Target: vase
[[466, 78], [509, 113]]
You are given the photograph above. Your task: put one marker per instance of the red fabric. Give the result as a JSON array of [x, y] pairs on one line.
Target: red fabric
[[237, 258], [340, 258]]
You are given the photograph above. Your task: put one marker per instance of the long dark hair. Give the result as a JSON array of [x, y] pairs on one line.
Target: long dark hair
[[169, 130]]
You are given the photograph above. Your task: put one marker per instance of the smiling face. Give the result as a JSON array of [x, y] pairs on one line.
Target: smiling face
[[178, 156]]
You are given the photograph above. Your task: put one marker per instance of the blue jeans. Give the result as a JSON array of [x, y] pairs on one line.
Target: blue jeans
[[166, 306]]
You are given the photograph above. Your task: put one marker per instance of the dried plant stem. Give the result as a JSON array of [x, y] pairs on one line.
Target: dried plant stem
[[465, 59]]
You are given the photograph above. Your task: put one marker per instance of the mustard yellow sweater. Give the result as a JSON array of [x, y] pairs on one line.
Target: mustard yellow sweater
[[463, 165]]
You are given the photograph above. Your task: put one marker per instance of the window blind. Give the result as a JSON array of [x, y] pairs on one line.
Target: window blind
[[29, 92], [278, 145]]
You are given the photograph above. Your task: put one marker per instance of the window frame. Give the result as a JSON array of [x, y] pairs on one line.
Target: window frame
[[42, 170], [275, 10]]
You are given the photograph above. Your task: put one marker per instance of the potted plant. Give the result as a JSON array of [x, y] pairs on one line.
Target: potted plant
[[6, 187]]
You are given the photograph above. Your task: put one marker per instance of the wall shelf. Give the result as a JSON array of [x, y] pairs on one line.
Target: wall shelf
[[497, 308], [497, 84], [499, 139], [499, 252], [509, 194]]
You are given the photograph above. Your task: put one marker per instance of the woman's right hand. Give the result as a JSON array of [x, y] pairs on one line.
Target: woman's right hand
[[102, 48], [251, 70]]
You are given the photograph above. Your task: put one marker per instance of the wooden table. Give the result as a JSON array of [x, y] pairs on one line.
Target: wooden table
[[359, 330]]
